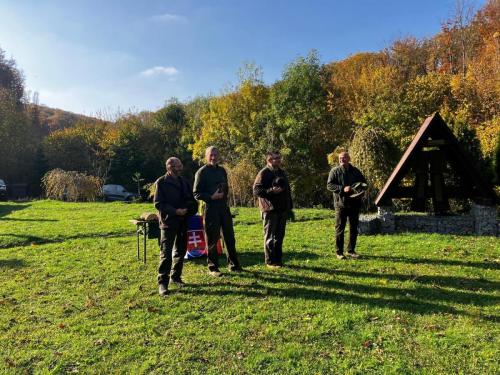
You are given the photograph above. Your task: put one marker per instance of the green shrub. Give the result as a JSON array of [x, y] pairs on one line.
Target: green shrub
[[375, 156]]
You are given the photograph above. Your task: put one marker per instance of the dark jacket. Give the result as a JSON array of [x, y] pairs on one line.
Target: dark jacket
[[341, 177], [173, 193], [208, 179], [264, 182]]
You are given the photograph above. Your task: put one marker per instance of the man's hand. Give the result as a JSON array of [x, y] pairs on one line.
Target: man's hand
[[347, 189], [276, 189], [217, 195], [181, 211]]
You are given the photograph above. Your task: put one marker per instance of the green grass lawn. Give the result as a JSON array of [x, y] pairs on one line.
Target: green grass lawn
[[74, 298]]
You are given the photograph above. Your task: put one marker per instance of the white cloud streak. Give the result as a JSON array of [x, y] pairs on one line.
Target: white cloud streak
[[168, 17], [160, 70]]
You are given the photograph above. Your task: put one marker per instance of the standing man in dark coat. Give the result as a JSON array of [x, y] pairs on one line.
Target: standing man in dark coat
[[211, 186], [175, 204], [272, 188], [347, 204]]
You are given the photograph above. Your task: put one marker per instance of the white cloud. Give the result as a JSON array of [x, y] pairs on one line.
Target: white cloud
[[160, 70], [167, 17]]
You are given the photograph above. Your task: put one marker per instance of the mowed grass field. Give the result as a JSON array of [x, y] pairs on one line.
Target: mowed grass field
[[74, 299]]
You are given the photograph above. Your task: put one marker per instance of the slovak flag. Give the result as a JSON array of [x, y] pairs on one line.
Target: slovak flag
[[196, 245]]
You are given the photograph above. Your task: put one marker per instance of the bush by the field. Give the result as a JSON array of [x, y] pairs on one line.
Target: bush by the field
[[71, 186]]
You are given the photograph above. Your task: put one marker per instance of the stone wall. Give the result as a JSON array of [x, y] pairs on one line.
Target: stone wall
[[485, 220], [387, 219], [482, 220], [463, 224]]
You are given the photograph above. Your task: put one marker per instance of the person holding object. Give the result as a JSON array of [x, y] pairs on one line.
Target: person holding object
[[211, 186], [347, 203], [272, 188], [175, 203]]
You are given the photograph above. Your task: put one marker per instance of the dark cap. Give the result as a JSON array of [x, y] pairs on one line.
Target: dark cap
[[358, 189]]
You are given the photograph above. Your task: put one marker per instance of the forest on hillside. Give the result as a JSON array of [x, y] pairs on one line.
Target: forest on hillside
[[370, 103]]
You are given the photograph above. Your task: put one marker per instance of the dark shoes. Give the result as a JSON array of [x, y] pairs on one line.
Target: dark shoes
[[215, 273], [353, 255], [163, 290], [350, 254], [178, 282]]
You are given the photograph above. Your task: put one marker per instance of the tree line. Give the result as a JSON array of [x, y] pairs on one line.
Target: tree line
[[371, 103]]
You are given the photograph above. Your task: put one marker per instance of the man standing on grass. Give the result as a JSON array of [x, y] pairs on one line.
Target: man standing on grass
[[211, 186], [175, 204], [347, 203], [272, 188]]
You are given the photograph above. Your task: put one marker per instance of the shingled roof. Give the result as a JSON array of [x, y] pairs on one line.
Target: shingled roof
[[435, 132]]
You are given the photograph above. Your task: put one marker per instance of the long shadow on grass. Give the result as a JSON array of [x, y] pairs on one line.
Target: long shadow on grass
[[251, 258], [437, 281], [424, 300], [7, 209], [12, 263], [27, 240], [259, 291], [422, 293], [13, 219], [444, 262]]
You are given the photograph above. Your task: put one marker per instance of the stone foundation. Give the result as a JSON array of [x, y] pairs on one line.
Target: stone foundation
[[387, 219], [485, 223], [482, 220], [369, 224], [435, 224]]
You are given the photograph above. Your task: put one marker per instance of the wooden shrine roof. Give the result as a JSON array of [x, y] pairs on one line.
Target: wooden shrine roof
[[433, 129]]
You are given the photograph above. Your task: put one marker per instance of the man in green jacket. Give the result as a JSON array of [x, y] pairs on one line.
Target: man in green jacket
[[211, 186], [175, 203], [272, 188], [347, 204]]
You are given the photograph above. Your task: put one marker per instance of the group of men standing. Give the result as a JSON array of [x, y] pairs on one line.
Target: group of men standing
[[176, 202]]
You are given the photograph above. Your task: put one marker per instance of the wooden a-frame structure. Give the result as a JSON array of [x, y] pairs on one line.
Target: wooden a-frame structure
[[433, 146]]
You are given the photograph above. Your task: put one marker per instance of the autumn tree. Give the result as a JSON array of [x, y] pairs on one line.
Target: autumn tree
[[236, 123], [86, 148]]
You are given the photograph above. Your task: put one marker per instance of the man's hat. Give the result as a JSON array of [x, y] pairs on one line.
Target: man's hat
[[279, 182], [358, 189]]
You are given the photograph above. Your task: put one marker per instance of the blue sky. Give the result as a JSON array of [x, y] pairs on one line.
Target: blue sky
[[110, 55]]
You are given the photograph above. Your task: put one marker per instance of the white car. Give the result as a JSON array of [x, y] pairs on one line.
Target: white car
[[117, 193]]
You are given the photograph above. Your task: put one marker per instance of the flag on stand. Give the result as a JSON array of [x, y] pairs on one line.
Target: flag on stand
[[196, 244]]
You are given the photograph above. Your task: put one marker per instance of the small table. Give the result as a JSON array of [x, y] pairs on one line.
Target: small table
[[148, 229]]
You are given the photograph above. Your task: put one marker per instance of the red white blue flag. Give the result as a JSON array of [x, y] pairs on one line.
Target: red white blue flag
[[196, 245]]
